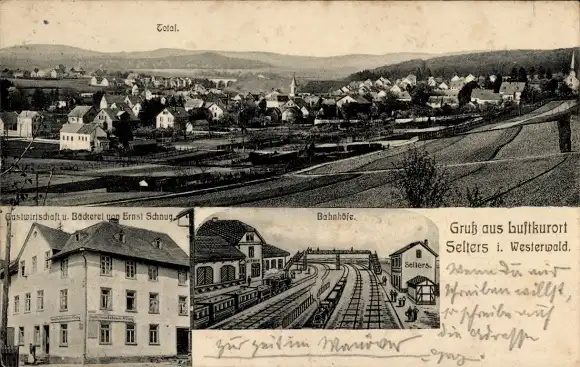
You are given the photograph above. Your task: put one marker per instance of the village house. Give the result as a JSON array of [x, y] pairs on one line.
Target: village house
[[135, 103], [193, 103], [29, 124], [99, 81], [81, 114], [103, 294], [215, 109], [512, 91], [78, 136], [110, 100], [483, 96], [172, 117]]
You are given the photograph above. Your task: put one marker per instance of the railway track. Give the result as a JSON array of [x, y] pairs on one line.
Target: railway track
[[351, 318], [254, 321], [376, 314], [326, 271]]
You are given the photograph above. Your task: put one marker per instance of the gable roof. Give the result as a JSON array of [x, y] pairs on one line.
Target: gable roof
[[79, 111], [139, 243], [114, 98], [29, 114], [411, 245], [215, 248], [485, 94], [79, 128], [230, 230], [511, 87], [269, 251], [418, 280], [56, 238]]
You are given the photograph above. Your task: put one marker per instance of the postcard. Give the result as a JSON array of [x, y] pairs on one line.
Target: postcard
[[289, 104]]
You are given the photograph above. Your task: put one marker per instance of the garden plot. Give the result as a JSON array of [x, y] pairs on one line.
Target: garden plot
[[315, 196], [501, 176], [395, 161], [559, 187], [534, 140], [476, 147], [387, 195], [355, 163]]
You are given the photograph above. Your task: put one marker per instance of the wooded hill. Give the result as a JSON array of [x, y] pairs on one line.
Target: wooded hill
[[480, 63]]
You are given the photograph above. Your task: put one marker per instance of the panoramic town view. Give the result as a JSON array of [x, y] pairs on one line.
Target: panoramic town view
[[181, 127]]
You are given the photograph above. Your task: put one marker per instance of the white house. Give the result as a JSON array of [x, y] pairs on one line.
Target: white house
[[28, 122], [78, 136], [171, 116], [215, 109]]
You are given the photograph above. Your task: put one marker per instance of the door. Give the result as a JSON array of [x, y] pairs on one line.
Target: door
[[10, 337], [182, 342], [46, 339]]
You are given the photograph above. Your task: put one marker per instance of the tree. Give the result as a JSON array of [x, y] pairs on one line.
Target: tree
[[564, 90], [514, 74], [541, 72], [38, 99], [522, 75], [420, 95], [550, 87], [464, 95], [5, 85], [497, 84], [422, 182], [228, 120], [549, 74]]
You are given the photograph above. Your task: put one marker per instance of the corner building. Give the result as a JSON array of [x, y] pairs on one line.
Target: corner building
[[106, 293]]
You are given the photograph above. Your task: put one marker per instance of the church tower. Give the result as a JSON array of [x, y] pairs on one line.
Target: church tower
[[293, 86], [571, 80]]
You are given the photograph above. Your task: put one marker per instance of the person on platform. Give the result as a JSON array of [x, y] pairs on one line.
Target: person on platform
[[415, 313], [249, 280], [409, 314]]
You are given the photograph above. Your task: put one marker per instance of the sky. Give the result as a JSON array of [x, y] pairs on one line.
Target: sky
[[323, 28], [383, 231]]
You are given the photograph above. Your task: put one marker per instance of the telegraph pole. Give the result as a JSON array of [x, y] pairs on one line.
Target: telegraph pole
[[6, 283]]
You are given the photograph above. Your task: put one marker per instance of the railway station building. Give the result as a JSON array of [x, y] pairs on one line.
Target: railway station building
[[106, 293], [414, 270], [258, 256]]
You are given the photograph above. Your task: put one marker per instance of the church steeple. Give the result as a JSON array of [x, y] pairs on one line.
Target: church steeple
[[293, 86]]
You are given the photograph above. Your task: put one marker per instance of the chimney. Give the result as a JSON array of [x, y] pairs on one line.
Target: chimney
[[114, 220], [426, 242]]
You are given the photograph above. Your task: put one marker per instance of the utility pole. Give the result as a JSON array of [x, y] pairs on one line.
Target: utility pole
[[6, 282]]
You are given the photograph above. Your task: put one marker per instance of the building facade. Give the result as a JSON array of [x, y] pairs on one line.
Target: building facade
[[415, 259], [106, 293]]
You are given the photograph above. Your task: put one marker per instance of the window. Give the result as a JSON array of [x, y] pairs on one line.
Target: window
[[255, 270], [266, 264], [34, 264], [23, 268], [21, 335], [273, 263], [227, 273], [64, 299], [249, 237], [36, 336], [182, 306], [122, 237], [204, 275], [153, 273], [64, 268], [16, 304], [63, 335], [251, 251], [131, 301], [158, 242], [47, 255], [105, 333], [106, 265], [106, 299], [280, 263], [130, 269], [130, 334], [27, 302], [153, 302], [182, 277], [39, 300], [418, 254], [154, 334]]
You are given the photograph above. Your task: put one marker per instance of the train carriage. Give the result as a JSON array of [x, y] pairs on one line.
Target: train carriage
[[244, 297], [264, 292], [220, 307], [201, 316]]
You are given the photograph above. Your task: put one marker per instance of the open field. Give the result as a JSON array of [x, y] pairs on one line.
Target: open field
[[82, 85]]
